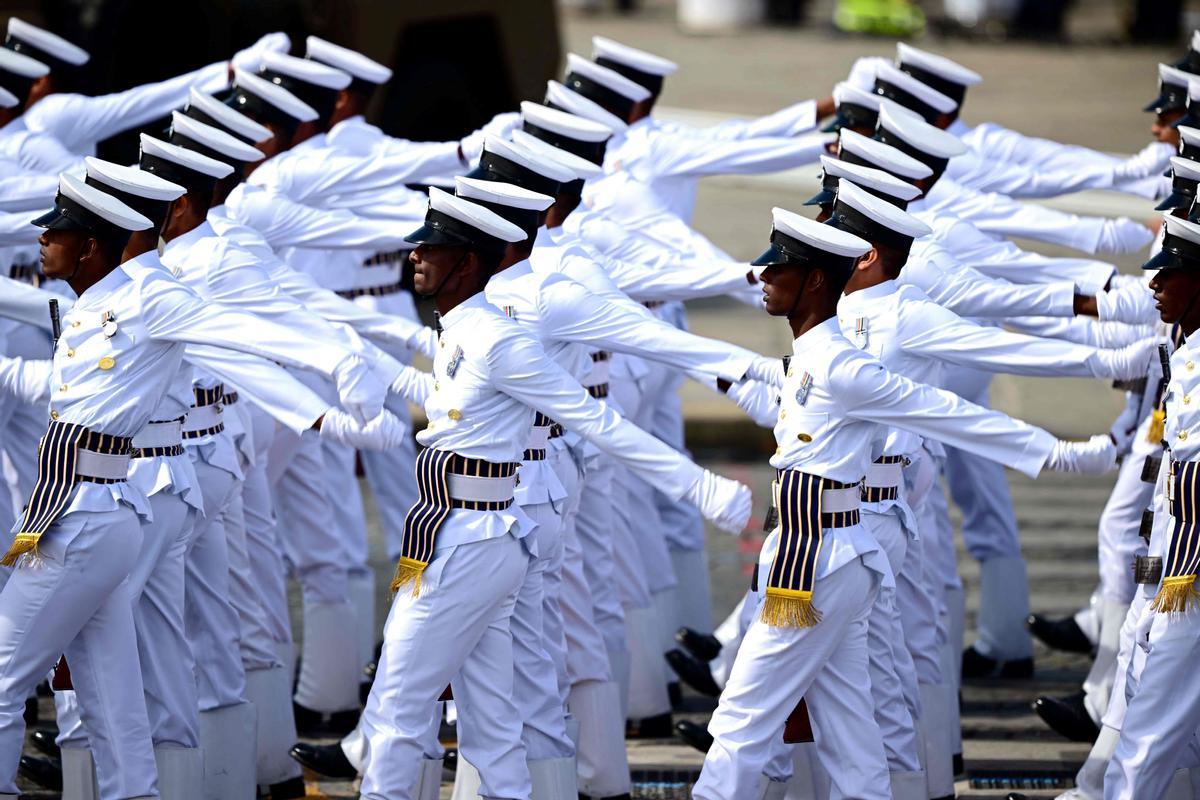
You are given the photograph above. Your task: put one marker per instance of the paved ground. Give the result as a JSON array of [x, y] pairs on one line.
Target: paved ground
[[1088, 95]]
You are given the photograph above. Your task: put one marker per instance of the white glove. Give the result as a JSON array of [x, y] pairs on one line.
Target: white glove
[[723, 502], [384, 432], [1122, 236], [1126, 423], [766, 370], [426, 342], [249, 58], [862, 74], [500, 125], [360, 392], [1093, 457], [1126, 363]]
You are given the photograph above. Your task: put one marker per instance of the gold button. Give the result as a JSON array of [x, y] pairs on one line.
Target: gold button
[[1182, 435], [783, 413], [804, 437], [791, 372], [107, 363], [71, 353], [62, 388], [1191, 365], [1187, 398], [454, 414], [54, 415], [778, 450], [436, 386], [75, 324]]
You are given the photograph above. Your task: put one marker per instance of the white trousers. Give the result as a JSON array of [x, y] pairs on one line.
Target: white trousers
[[1163, 712], [75, 601], [456, 628], [212, 624], [827, 665], [156, 586]]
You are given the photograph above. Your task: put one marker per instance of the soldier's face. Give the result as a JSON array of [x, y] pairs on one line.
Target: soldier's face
[[782, 286], [1175, 293], [1162, 129], [61, 251], [433, 266]]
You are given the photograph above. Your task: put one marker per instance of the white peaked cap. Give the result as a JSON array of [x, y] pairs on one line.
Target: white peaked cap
[[544, 151], [1182, 228], [234, 120], [7, 98], [347, 60], [214, 138], [814, 234], [505, 194], [1196, 40], [846, 92], [1193, 87], [47, 42], [577, 104], [919, 133], [21, 64], [521, 155], [870, 178], [922, 91], [941, 66], [883, 156], [1189, 135], [1185, 168], [132, 180], [1173, 76], [476, 216], [564, 123], [190, 159], [632, 57], [606, 77], [880, 211], [107, 207], [274, 94], [307, 70]]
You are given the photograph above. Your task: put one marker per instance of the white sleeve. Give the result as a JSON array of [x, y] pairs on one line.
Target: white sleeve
[[27, 380], [23, 303], [79, 121], [286, 223], [264, 383], [521, 369], [969, 293], [872, 393], [793, 120], [698, 156]]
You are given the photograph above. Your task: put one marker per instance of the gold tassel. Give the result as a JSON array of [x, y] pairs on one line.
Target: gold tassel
[[408, 570], [1177, 594], [1158, 420], [24, 543], [790, 611]]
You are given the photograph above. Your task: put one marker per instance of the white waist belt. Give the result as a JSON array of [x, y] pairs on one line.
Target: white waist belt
[[598, 375], [101, 465], [159, 434], [486, 490], [835, 500], [884, 476], [201, 418], [539, 437]]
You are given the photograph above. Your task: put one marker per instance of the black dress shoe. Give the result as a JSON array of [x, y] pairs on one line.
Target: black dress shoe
[[342, 722], [1068, 717], [308, 721], [695, 674], [658, 727], [43, 740], [675, 695], [703, 646], [31, 712], [977, 665], [1060, 634], [957, 765], [292, 789], [312, 724], [694, 734], [324, 759], [450, 760], [45, 772]]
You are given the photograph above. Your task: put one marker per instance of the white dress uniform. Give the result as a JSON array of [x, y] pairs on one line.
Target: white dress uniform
[[489, 378], [1159, 721], [833, 394]]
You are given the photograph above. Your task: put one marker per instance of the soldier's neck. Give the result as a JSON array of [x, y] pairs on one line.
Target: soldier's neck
[[802, 321]]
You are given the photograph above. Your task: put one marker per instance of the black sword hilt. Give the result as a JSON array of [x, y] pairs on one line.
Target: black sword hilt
[[55, 321]]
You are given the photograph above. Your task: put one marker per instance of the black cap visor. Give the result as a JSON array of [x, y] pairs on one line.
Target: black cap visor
[[1176, 199], [853, 116], [1176, 253], [67, 214]]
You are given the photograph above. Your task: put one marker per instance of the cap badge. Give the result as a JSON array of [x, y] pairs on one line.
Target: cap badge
[[806, 382], [455, 360]]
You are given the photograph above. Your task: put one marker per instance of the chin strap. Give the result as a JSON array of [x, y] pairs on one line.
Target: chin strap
[[454, 269]]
